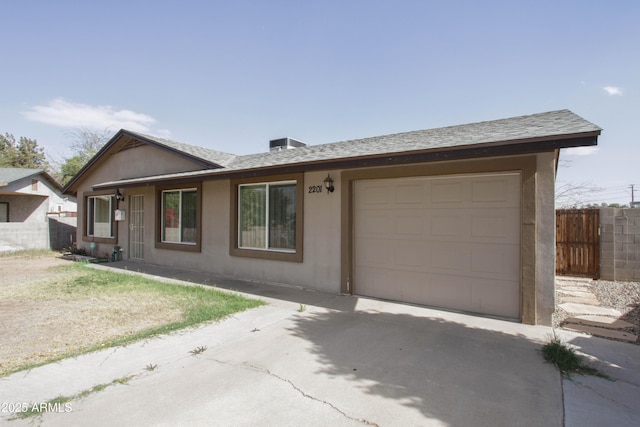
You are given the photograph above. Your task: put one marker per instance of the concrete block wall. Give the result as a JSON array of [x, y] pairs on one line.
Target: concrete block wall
[[17, 236], [62, 232], [620, 244]]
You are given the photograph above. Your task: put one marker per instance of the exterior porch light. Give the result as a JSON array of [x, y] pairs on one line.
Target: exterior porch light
[[328, 183], [119, 196]]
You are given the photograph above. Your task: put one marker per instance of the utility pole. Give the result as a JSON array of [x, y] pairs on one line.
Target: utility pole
[[632, 193]]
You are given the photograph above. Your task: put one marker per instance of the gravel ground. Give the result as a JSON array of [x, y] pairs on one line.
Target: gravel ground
[[623, 296]]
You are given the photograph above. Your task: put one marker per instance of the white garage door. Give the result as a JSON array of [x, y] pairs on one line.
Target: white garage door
[[451, 242]]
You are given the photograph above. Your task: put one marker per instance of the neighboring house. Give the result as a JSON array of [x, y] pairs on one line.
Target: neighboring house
[[28, 198], [460, 217]]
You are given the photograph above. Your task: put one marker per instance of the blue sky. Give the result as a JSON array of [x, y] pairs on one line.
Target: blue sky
[[233, 75]]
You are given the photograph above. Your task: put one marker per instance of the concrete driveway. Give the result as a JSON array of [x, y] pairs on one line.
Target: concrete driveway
[[314, 359]]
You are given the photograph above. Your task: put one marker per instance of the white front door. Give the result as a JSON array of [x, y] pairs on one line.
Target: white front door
[[136, 227]]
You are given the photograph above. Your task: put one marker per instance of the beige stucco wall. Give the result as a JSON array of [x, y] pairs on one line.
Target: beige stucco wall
[[545, 238], [55, 198], [327, 228], [141, 161], [320, 268]]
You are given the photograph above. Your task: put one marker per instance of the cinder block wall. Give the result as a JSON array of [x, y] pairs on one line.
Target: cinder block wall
[[620, 244], [62, 232]]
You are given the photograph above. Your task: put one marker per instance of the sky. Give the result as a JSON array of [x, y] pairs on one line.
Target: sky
[[232, 75]]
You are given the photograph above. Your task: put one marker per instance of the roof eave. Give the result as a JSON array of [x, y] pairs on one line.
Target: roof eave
[[491, 149]]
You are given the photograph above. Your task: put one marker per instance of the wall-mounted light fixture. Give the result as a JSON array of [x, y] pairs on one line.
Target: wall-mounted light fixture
[[328, 183], [119, 196]]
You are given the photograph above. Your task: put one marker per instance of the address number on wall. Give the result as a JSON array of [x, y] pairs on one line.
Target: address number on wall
[[315, 189]]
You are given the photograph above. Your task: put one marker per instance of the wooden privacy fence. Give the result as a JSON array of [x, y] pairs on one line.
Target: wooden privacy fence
[[578, 242]]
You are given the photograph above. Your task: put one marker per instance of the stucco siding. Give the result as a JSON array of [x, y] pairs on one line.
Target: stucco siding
[[320, 268], [56, 201], [545, 238]]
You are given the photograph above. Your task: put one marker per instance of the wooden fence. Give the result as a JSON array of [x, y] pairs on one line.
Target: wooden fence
[[578, 242]]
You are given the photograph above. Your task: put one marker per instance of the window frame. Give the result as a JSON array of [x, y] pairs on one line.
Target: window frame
[[7, 210], [159, 220], [85, 223], [295, 255]]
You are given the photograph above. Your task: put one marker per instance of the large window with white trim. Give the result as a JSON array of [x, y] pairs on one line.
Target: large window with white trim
[[179, 216], [100, 216]]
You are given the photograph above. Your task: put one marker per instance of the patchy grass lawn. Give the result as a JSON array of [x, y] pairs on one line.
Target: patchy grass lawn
[[52, 309]]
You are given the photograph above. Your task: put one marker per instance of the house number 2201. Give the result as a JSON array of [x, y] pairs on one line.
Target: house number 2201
[[315, 189]]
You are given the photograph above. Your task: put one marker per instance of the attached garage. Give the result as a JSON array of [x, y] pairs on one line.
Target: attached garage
[[451, 242]]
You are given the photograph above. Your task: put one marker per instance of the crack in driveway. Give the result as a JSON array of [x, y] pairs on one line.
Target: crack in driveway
[[296, 388]]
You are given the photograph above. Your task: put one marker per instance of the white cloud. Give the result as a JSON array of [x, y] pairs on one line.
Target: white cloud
[[581, 151], [61, 113], [612, 90]]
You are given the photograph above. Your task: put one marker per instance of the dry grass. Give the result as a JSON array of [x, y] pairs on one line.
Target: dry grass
[[51, 308]]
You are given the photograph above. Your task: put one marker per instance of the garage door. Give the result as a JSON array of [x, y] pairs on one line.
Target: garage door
[[450, 242]]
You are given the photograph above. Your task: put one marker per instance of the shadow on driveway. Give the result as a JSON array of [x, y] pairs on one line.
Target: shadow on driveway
[[396, 364]]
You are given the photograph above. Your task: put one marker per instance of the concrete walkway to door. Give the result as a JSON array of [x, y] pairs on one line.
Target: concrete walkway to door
[[315, 359]]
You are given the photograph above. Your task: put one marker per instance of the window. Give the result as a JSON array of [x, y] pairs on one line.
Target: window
[[100, 216], [179, 216], [4, 212], [34, 185], [268, 218]]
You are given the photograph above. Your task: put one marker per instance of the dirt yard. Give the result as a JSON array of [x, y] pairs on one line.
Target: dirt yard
[[39, 322]]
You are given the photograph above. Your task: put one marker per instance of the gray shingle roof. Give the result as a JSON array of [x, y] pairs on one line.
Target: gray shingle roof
[[9, 175], [212, 156], [553, 125]]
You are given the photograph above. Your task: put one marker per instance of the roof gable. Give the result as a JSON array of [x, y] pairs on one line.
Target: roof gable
[[124, 140]]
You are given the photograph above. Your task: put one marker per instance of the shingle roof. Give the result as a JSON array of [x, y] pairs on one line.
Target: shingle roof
[[535, 128], [212, 156], [9, 175], [544, 125]]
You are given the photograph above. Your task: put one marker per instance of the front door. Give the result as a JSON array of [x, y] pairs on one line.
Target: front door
[[136, 227]]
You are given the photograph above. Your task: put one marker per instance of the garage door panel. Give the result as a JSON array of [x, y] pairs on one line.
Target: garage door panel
[[494, 260], [411, 224], [450, 257], [409, 253], [447, 192], [409, 194], [372, 253], [449, 291], [498, 297], [378, 281], [496, 192], [452, 242], [374, 195], [449, 224], [376, 225], [412, 286]]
